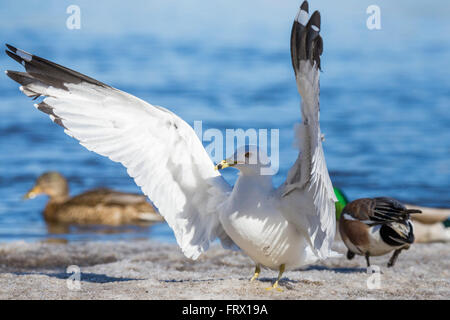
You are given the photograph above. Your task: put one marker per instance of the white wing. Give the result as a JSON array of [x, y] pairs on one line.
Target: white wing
[[307, 196], [160, 150]]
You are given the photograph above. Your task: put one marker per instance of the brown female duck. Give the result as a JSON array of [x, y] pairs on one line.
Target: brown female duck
[[98, 206]]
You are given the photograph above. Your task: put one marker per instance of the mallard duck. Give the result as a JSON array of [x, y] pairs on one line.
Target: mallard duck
[[98, 206], [376, 226]]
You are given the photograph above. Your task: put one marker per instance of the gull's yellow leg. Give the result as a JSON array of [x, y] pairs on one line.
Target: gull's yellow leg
[[257, 271], [275, 285]]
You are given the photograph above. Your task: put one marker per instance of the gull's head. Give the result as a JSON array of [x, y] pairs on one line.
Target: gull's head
[[247, 159]]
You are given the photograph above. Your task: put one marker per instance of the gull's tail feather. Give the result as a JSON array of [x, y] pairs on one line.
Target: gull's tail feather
[[306, 43]]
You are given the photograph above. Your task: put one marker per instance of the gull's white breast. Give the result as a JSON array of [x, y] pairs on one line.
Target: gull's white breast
[[261, 231]]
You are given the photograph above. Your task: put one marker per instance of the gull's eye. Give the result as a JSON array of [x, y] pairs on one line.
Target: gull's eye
[[247, 154]]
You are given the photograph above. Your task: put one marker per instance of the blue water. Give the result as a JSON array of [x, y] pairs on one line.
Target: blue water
[[385, 94]]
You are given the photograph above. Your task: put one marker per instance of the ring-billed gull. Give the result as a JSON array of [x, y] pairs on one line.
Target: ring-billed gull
[[280, 228]]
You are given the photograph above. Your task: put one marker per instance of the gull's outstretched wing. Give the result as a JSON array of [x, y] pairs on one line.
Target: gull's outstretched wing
[[160, 150], [307, 196]]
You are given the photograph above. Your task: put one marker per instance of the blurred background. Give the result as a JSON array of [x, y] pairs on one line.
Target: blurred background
[[385, 94]]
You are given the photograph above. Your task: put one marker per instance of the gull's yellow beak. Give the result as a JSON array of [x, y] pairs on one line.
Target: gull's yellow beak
[[36, 190], [224, 164]]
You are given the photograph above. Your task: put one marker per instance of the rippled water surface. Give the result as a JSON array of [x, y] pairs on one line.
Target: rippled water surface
[[385, 94]]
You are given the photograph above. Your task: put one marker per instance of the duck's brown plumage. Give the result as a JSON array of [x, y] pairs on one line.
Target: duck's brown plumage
[[376, 226], [378, 210], [354, 230], [98, 206]]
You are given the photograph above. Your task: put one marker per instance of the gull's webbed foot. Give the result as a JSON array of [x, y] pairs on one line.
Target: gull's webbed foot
[[275, 284]]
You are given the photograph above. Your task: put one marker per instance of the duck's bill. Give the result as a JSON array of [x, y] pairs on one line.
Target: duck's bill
[[32, 193]]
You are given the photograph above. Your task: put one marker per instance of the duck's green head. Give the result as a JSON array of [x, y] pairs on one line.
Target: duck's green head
[[341, 203]]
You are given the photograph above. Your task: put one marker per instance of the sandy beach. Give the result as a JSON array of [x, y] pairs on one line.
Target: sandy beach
[[152, 270]]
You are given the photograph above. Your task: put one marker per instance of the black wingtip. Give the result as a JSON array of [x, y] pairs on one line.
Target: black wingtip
[[20, 77], [9, 73], [14, 56], [412, 211], [305, 6], [10, 47], [315, 19], [306, 43]]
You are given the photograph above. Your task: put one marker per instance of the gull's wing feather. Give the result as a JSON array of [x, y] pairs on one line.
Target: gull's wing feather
[[160, 150], [307, 196]]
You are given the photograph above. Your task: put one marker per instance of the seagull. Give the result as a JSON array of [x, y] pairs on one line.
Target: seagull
[[376, 226], [279, 228]]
